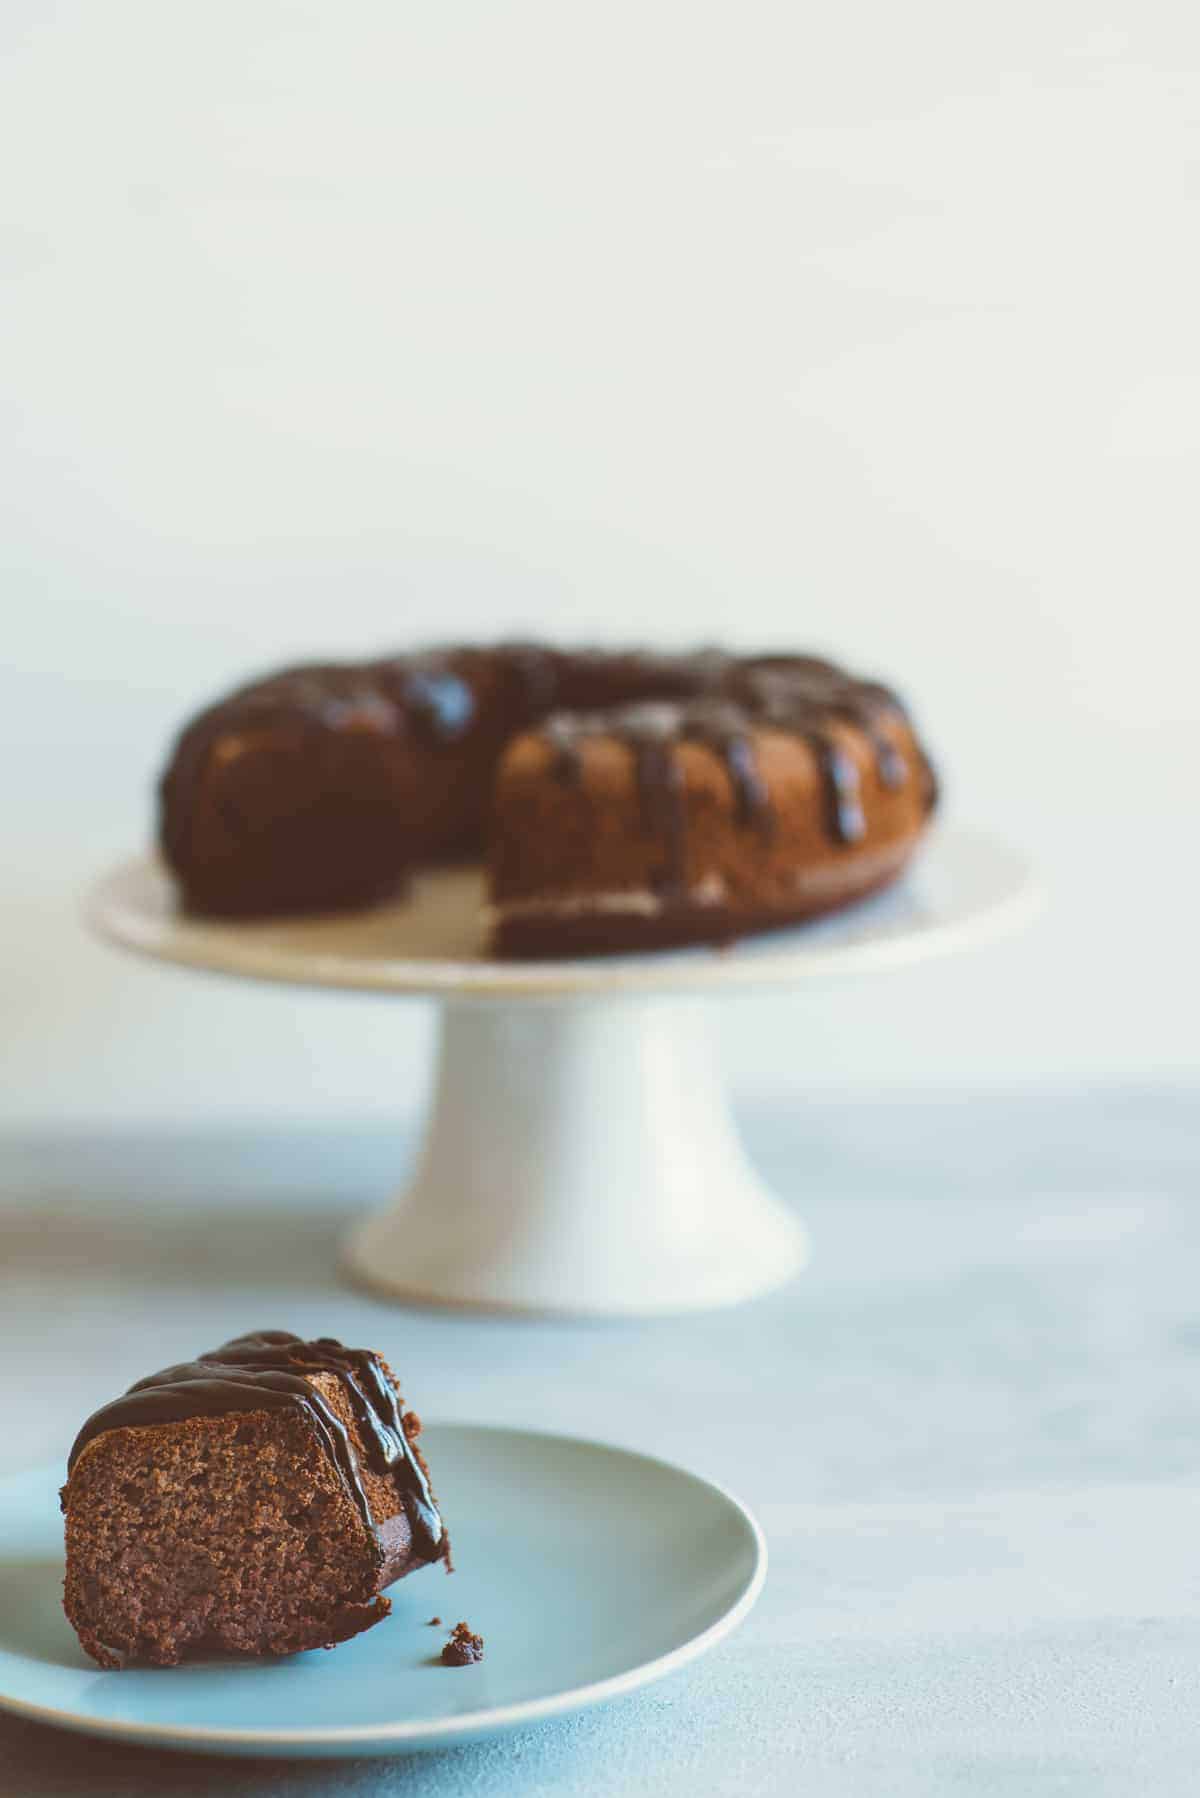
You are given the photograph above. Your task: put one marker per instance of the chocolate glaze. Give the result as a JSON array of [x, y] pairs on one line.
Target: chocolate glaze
[[801, 695], [264, 1371], [319, 786], [437, 700]]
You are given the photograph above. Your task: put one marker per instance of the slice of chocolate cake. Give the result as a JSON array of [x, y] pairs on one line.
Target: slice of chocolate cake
[[254, 1501]]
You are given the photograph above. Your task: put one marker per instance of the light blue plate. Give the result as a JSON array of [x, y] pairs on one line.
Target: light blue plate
[[588, 1570]]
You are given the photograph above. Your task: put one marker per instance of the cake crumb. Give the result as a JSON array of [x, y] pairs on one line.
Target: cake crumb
[[464, 1647], [434, 1622]]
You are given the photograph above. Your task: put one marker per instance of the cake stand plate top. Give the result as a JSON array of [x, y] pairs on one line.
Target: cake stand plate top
[[962, 890]]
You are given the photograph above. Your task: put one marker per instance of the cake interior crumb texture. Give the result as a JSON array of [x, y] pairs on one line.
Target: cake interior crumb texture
[[224, 1534], [464, 1648]]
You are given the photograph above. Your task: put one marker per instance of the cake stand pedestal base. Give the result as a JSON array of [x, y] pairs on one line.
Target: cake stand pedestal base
[[580, 1157]]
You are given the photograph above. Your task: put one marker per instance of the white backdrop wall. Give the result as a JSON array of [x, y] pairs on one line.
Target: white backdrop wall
[[331, 328]]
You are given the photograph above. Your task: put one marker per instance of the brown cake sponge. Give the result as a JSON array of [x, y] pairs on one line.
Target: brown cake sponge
[[234, 1527]]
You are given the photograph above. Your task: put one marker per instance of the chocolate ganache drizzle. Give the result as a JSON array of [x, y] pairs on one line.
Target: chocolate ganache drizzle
[[265, 1371], [802, 696]]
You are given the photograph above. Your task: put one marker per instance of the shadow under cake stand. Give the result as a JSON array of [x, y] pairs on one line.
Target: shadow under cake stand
[[580, 1155]]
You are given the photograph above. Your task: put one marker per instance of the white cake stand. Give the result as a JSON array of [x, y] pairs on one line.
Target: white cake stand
[[580, 1155]]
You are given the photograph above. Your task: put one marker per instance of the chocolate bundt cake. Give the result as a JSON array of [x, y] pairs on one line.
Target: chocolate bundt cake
[[255, 1501], [621, 800]]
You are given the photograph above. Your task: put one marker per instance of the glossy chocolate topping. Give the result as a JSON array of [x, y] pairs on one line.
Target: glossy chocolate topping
[[799, 695], [265, 1371]]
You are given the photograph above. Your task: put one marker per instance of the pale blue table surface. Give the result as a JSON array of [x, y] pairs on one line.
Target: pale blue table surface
[[971, 1432]]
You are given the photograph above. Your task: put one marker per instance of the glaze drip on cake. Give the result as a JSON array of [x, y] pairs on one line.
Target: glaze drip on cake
[[264, 1371], [798, 696], [651, 731]]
